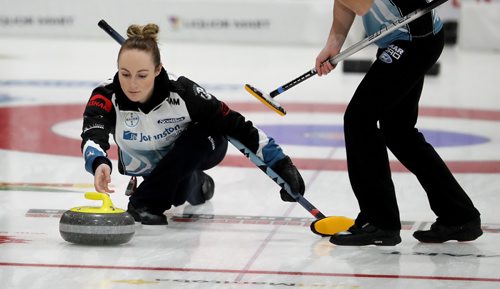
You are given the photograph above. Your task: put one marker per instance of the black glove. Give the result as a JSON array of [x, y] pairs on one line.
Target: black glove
[[288, 172]]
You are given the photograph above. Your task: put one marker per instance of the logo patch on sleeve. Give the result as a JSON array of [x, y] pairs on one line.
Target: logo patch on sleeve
[[101, 102], [200, 91]]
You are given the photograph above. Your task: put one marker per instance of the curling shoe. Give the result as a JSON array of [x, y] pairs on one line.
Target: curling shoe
[[440, 233], [145, 217], [366, 235]]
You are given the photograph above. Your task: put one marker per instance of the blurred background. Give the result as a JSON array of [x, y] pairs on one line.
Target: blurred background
[[469, 23], [52, 54]]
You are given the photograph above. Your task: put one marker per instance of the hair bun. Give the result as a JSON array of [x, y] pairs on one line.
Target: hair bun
[[143, 31]]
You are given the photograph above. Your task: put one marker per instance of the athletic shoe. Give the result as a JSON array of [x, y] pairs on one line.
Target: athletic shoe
[[145, 217], [440, 233], [366, 235]]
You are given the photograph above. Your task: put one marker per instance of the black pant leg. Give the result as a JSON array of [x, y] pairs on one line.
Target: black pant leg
[[175, 176], [393, 83]]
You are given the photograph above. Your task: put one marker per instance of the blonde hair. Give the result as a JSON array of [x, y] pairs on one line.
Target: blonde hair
[[144, 38]]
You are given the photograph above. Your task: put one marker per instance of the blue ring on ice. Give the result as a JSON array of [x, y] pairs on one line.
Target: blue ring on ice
[[333, 135]]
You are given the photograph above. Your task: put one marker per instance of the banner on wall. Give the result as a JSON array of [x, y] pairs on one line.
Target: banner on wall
[[248, 21], [236, 21]]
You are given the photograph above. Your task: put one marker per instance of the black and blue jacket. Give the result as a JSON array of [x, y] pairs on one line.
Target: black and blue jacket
[[145, 133]]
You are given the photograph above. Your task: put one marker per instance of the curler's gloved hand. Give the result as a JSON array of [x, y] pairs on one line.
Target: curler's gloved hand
[[288, 172]]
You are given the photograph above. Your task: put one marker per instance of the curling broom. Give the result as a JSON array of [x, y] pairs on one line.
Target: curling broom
[[268, 99]]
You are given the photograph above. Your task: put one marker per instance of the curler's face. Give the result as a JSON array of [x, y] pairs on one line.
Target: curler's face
[[137, 72]]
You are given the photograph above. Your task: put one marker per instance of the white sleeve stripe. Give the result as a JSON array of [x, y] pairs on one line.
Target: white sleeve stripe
[[91, 143], [263, 140]]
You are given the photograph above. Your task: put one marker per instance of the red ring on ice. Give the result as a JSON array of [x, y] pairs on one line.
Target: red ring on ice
[[29, 129]]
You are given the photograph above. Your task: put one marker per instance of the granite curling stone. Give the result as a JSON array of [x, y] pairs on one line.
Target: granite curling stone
[[105, 225]]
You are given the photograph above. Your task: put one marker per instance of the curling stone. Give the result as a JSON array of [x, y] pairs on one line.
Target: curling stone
[[105, 225]]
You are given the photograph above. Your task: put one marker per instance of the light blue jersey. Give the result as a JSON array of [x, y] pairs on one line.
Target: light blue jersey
[[384, 12]]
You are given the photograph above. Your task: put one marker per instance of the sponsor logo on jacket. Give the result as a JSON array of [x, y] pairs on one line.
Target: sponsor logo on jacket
[[391, 53], [171, 120], [101, 102], [128, 135], [93, 126], [142, 137], [131, 119], [200, 91], [173, 101]]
